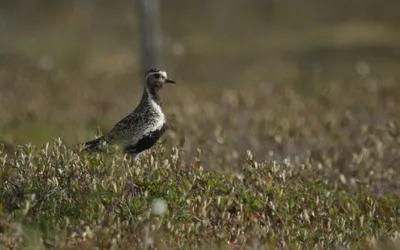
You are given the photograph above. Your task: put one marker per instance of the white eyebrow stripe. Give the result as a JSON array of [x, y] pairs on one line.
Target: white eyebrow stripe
[[153, 73]]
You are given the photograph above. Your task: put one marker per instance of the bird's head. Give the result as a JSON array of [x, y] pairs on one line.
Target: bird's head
[[156, 78]]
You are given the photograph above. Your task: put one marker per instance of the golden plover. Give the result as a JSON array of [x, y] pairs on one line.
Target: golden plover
[[141, 129]]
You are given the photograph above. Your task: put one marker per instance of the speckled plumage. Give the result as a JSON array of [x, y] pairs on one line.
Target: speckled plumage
[[141, 129]]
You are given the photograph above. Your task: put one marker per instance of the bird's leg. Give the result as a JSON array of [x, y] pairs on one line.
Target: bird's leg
[[134, 158]]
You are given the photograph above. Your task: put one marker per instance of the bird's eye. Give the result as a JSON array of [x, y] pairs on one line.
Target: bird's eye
[[157, 76]]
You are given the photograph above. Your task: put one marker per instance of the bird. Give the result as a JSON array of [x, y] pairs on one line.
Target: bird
[[142, 128]]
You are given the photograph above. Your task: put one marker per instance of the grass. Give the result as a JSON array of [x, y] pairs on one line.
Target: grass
[[54, 197]]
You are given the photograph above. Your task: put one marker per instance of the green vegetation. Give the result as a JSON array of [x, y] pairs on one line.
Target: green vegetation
[[321, 171], [55, 197]]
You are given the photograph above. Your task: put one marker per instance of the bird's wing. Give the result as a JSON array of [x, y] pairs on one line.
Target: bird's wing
[[128, 130]]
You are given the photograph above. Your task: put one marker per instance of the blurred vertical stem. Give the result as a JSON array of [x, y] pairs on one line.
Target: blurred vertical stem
[[150, 33]]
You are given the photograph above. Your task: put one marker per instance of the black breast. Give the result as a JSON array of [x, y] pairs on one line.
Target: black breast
[[146, 142]]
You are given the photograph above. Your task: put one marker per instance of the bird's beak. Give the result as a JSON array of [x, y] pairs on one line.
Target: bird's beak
[[169, 81]]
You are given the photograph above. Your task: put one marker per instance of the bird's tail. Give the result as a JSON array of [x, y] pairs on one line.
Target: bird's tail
[[93, 145]]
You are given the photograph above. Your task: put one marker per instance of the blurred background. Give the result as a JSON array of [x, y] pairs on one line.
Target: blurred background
[[312, 78]]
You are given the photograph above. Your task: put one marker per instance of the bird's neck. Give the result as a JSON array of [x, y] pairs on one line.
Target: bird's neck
[[152, 94]]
